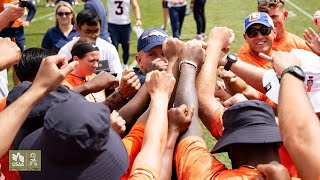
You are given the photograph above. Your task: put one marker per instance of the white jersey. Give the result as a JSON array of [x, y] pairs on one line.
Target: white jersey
[[119, 11], [107, 52]]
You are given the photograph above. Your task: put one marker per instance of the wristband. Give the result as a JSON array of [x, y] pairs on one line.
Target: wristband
[[138, 19], [187, 62]]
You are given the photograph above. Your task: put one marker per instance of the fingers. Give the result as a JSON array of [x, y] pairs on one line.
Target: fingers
[[190, 113], [128, 75], [127, 71], [133, 78], [136, 84], [69, 68], [312, 32]]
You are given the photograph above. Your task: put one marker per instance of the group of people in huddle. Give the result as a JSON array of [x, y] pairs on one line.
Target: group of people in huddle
[[144, 123]]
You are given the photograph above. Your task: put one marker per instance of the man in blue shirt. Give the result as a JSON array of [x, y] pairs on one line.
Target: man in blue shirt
[[97, 6]]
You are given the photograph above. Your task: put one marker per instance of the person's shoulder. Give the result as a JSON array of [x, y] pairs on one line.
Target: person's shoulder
[[71, 43], [52, 30], [101, 43], [294, 37], [67, 47]]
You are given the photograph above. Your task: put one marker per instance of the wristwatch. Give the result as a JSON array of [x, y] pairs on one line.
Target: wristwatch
[[231, 59], [296, 71]]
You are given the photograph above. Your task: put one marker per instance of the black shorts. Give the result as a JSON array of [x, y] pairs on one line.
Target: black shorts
[[164, 4]]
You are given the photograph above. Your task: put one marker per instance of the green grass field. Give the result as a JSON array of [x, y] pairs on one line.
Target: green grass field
[[230, 13]]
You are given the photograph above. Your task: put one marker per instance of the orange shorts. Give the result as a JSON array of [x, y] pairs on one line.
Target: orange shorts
[[194, 161], [133, 143]]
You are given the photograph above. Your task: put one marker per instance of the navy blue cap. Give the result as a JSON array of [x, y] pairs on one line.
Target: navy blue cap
[[77, 142], [150, 38], [248, 122]]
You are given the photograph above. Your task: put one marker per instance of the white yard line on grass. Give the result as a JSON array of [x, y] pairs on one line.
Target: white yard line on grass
[[47, 15], [42, 17], [299, 9]]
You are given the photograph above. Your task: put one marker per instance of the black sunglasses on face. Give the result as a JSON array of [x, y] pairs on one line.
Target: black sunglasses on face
[[253, 32], [64, 13]]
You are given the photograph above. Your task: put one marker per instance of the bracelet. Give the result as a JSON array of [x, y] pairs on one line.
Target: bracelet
[[187, 62], [138, 19]]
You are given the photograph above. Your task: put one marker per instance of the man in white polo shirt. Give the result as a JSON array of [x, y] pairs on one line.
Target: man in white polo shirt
[[88, 25]]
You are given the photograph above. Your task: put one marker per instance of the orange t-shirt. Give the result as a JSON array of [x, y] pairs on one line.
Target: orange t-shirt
[[133, 143], [72, 81], [194, 161], [291, 41]]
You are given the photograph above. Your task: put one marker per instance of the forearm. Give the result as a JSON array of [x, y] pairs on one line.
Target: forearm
[[136, 106], [299, 126], [157, 118], [82, 89], [155, 139], [240, 86], [136, 11], [207, 78], [32, 11], [167, 159], [115, 101], [252, 75], [14, 115]]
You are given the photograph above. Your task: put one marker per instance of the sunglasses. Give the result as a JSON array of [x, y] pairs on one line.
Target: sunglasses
[[64, 13], [253, 32]]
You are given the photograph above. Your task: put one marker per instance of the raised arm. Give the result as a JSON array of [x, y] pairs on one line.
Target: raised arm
[[135, 107], [52, 71], [190, 60], [299, 125], [219, 38], [148, 161]]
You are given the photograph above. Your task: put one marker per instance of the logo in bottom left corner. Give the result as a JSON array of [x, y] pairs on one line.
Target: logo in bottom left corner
[[25, 160]]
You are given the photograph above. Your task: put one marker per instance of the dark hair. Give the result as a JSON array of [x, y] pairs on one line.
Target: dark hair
[[79, 43], [30, 61], [89, 17]]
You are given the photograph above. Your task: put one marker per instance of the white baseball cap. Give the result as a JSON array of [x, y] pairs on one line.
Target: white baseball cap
[[310, 64]]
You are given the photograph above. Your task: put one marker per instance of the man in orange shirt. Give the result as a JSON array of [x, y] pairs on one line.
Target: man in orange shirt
[[260, 34], [285, 41]]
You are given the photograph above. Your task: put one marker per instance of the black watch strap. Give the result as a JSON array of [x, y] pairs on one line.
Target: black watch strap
[[296, 71], [228, 66], [231, 58]]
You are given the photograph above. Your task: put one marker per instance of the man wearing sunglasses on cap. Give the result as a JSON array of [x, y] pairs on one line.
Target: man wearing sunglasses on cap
[[285, 41]]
